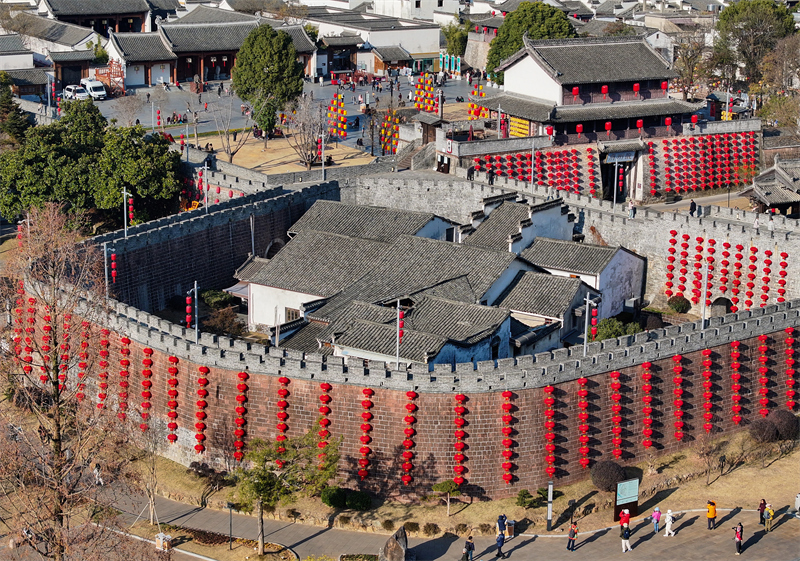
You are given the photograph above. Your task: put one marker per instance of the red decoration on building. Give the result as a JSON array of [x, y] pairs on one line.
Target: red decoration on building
[[460, 434], [63, 363], [678, 392], [45, 347], [790, 371], [147, 362], [83, 357], [124, 374], [240, 421], [647, 399], [782, 280], [324, 422], [103, 364], [507, 442], [583, 427], [616, 418], [366, 428], [736, 282], [200, 425], [763, 370], [408, 443], [736, 387], [282, 416], [708, 395], [765, 279], [172, 403], [751, 277], [672, 250], [724, 271], [549, 425]]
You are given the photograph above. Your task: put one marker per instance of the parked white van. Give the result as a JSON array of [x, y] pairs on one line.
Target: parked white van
[[95, 88]]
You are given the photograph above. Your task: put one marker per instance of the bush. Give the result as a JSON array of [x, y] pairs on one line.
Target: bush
[[524, 499], [388, 525], [679, 304], [461, 529], [485, 528], [763, 431], [786, 424], [217, 299], [359, 500], [334, 497], [224, 322], [606, 475], [430, 529], [611, 328], [411, 526], [653, 322], [343, 520]]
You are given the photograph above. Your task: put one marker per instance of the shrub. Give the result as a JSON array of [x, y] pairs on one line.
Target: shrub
[[786, 424], [653, 322], [525, 499], [485, 528], [461, 529], [343, 520], [679, 304], [388, 525], [224, 322], [334, 497], [763, 431], [216, 299], [411, 526], [606, 475], [430, 529], [359, 500]]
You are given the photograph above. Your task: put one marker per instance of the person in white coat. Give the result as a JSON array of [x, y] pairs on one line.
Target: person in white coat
[[668, 520]]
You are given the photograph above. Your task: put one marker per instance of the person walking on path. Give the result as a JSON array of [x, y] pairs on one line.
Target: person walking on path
[[738, 530], [624, 517], [656, 516], [711, 507], [762, 505], [631, 209], [692, 207], [98, 478], [148, 97], [572, 536], [769, 516], [205, 106], [464, 555], [756, 224], [668, 520], [501, 539], [625, 535], [469, 547]]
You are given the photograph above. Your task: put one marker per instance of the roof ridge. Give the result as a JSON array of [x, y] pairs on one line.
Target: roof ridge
[[582, 244]]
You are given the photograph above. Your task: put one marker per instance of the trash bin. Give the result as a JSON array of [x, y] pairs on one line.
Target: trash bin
[[509, 528], [163, 542]]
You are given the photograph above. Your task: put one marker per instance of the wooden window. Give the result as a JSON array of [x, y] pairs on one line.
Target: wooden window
[[292, 314]]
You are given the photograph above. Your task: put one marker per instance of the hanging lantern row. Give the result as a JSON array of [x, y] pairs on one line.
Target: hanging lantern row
[[283, 416], [424, 96], [672, 250], [750, 285], [790, 371], [583, 417], [651, 161], [200, 414], [366, 429], [474, 110], [765, 279], [337, 117], [763, 379], [390, 132], [124, 374], [408, 442], [241, 411], [708, 395], [549, 447], [19, 323], [737, 273], [724, 270], [591, 170], [678, 392], [63, 363], [45, 347], [782, 273], [147, 372], [736, 387], [616, 418], [172, 403], [460, 434], [83, 364], [324, 422], [647, 399], [103, 364], [507, 442]]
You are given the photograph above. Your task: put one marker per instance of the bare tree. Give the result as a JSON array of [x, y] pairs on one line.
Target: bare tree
[[127, 108], [151, 442], [782, 64], [232, 140], [305, 125], [690, 51], [60, 443]]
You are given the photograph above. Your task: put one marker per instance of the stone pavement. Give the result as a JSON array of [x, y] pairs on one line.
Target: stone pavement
[[692, 542]]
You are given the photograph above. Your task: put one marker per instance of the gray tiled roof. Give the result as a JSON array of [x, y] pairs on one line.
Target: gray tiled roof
[[517, 105], [569, 256], [300, 39], [165, 5], [623, 110], [358, 20], [10, 44], [503, 221], [575, 7], [344, 40], [315, 263], [381, 338], [540, 294], [206, 14], [595, 61], [390, 53], [202, 37], [777, 185], [370, 222], [306, 339], [71, 56], [53, 30], [772, 193], [28, 77], [141, 47], [96, 7]]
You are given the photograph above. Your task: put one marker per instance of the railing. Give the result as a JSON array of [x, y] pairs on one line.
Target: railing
[[625, 134], [612, 97]]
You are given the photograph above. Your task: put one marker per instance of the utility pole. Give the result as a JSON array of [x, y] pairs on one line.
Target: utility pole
[[371, 133], [125, 211], [704, 292], [616, 179], [322, 144], [205, 191], [196, 293]]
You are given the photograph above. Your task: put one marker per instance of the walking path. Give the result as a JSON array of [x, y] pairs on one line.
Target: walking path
[[692, 542]]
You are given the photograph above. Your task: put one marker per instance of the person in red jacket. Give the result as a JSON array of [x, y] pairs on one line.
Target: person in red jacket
[[624, 517]]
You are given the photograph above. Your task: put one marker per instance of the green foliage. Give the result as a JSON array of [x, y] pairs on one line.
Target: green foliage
[[359, 500], [619, 29], [611, 328], [225, 322], [526, 500], [411, 526], [753, 27], [447, 487], [334, 497], [784, 109], [538, 20], [388, 525], [100, 54], [606, 475], [679, 304], [430, 529], [267, 73], [12, 119], [456, 35], [217, 299]]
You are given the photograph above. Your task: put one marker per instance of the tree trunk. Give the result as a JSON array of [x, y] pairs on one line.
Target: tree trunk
[[260, 514], [151, 499]]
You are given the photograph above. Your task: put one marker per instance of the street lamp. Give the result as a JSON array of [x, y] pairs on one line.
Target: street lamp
[[590, 303], [196, 294], [230, 506]]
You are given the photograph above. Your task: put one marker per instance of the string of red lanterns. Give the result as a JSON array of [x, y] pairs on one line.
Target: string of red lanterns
[[763, 380], [590, 165], [708, 285], [200, 414], [782, 280], [240, 421], [651, 156], [408, 443], [172, 403], [83, 357], [63, 364], [724, 271], [507, 442], [45, 347], [647, 399], [366, 429], [671, 262], [282, 417], [104, 364], [708, 395], [684, 264], [549, 447], [751, 277], [124, 363], [678, 392], [147, 362], [324, 422], [19, 322], [737, 273], [698, 282], [460, 434], [616, 418], [790, 381], [736, 387], [766, 270], [583, 417], [30, 331]]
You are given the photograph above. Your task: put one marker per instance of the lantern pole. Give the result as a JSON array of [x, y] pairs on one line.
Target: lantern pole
[[322, 143], [125, 211], [153, 118], [616, 179], [106, 249], [187, 139], [397, 338], [549, 505], [205, 192], [196, 312], [586, 325], [703, 295]]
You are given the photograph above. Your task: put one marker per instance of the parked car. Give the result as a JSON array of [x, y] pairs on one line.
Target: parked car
[[95, 88], [75, 92]]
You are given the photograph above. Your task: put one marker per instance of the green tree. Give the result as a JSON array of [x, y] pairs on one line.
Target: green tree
[[267, 74], [619, 29], [456, 35], [538, 20], [611, 328], [784, 109], [752, 28], [446, 489], [12, 119]]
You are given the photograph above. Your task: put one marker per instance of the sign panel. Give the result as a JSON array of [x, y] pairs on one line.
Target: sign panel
[[619, 157], [628, 491]]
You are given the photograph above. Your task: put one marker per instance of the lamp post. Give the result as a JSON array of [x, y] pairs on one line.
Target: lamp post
[[549, 505], [589, 305], [125, 212], [230, 506], [106, 249], [196, 294]]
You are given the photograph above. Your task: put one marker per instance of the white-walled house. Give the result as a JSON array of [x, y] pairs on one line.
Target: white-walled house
[[13, 53], [617, 273]]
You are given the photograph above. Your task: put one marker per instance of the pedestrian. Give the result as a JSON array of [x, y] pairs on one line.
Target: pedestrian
[[243, 107], [501, 539], [199, 98], [656, 516], [761, 507], [625, 535], [769, 516], [470, 547], [464, 555], [195, 116], [148, 97], [624, 517], [668, 520], [205, 106], [490, 176], [631, 208], [501, 524], [98, 479], [40, 109], [738, 531], [470, 173], [711, 507], [756, 224], [234, 136], [692, 207], [771, 225], [572, 536]]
